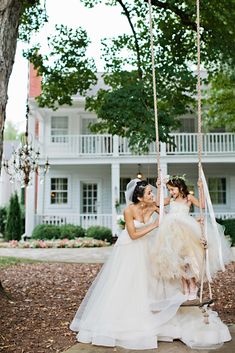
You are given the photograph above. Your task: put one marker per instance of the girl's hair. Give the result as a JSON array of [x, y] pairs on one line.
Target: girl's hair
[[179, 183], [139, 190]]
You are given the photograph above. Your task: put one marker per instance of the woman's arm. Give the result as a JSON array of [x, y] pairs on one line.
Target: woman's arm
[[131, 229]]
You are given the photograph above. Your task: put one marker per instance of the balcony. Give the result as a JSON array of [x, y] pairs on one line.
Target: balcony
[[114, 146]]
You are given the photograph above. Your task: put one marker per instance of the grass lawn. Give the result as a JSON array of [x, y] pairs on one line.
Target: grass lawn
[[9, 260]]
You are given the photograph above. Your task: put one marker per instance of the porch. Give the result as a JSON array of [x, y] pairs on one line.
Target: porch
[[87, 220]]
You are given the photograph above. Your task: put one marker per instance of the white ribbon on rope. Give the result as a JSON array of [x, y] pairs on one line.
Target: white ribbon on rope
[[213, 222], [161, 201]]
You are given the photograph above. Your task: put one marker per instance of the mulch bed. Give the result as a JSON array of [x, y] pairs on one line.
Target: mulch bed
[[46, 297]]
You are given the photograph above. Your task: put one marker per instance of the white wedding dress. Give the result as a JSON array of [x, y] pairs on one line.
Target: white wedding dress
[[127, 307]]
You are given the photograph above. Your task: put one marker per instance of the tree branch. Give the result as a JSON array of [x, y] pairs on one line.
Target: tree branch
[[127, 13], [186, 19]]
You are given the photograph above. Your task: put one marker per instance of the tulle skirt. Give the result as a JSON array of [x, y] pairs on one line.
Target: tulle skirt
[[177, 252]]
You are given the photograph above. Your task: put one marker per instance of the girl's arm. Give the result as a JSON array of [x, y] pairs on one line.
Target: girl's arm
[[131, 229], [194, 200]]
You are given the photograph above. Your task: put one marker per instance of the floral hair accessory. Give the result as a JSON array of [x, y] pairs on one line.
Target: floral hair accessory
[[168, 178]]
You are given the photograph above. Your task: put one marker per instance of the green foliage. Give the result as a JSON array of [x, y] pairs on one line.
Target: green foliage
[[3, 219], [221, 101], [10, 132], [126, 107], [9, 261], [46, 231], [13, 225], [229, 225], [70, 231], [65, 70], [100, 233], [33, 17]]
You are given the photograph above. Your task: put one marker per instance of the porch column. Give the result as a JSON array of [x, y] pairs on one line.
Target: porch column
[[30, 208], [115, 187]]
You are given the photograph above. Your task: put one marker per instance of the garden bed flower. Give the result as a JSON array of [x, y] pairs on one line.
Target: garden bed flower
[[57, 243]]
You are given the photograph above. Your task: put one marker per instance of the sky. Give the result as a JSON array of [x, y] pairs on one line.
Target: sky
[[99, 22]]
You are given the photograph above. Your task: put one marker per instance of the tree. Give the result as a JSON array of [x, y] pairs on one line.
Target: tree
[[14, 14], [13, 226], [10, 132], [220, 112], [126, 108]]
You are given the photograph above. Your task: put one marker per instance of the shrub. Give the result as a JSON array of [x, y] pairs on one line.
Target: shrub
[[70, 231], [229, 225], [100, 233], [13, 225], [3, 219], [46, 231]]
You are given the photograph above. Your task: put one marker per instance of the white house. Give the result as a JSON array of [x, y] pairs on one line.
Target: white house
[[88, 173]]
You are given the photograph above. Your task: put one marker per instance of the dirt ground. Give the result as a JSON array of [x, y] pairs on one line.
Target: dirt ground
[[46, 297]]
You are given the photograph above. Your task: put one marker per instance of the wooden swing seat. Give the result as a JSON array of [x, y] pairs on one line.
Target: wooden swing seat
[[196, 302]]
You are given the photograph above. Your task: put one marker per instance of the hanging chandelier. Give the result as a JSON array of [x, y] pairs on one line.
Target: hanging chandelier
[[24, 161]]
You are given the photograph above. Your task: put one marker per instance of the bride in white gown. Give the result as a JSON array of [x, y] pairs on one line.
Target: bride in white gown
[[126, 306]]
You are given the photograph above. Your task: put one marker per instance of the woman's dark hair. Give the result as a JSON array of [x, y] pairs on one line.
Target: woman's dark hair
[[139, 190], [179, 183]]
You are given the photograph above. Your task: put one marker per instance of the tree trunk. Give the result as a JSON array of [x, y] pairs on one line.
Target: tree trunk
[[10, 11]]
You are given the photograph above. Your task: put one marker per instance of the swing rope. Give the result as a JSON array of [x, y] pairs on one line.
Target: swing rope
[[154, 90], [199, 135], [199, 141]]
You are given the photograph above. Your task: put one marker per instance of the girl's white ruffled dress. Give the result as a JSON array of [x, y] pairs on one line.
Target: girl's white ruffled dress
[[127, 307], [177, 246]]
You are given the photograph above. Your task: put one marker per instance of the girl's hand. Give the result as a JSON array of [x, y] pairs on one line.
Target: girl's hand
[[199, 183], [200, 220], [203, 242]]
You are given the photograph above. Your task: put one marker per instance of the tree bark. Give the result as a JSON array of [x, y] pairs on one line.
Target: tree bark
[[10, 11]]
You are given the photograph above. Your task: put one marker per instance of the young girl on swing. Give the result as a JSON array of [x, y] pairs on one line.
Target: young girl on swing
[[178, 248]]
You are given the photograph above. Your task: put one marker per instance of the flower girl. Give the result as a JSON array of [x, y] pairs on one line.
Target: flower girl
[[178, 250]]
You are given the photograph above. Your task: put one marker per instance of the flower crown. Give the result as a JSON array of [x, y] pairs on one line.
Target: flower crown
[[174, 177]]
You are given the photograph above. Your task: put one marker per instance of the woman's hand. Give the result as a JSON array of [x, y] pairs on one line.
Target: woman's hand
[[158, 182], [156, 223]]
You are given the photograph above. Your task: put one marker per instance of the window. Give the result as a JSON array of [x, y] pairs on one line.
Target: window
[[85, 125], [59, 129], [217, 189], [187, 125], [59, 191], [123, 184], [89, 198]]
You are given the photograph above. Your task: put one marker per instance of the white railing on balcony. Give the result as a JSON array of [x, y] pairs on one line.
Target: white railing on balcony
[[84, 220], [212, 143], [107, 145], [82, 144]]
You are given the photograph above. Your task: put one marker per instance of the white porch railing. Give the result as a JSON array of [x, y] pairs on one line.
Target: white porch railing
[[107, 145], [84, 220], [87, 220]]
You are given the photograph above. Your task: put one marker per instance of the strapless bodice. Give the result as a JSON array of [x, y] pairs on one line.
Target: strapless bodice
[[178, 207]]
